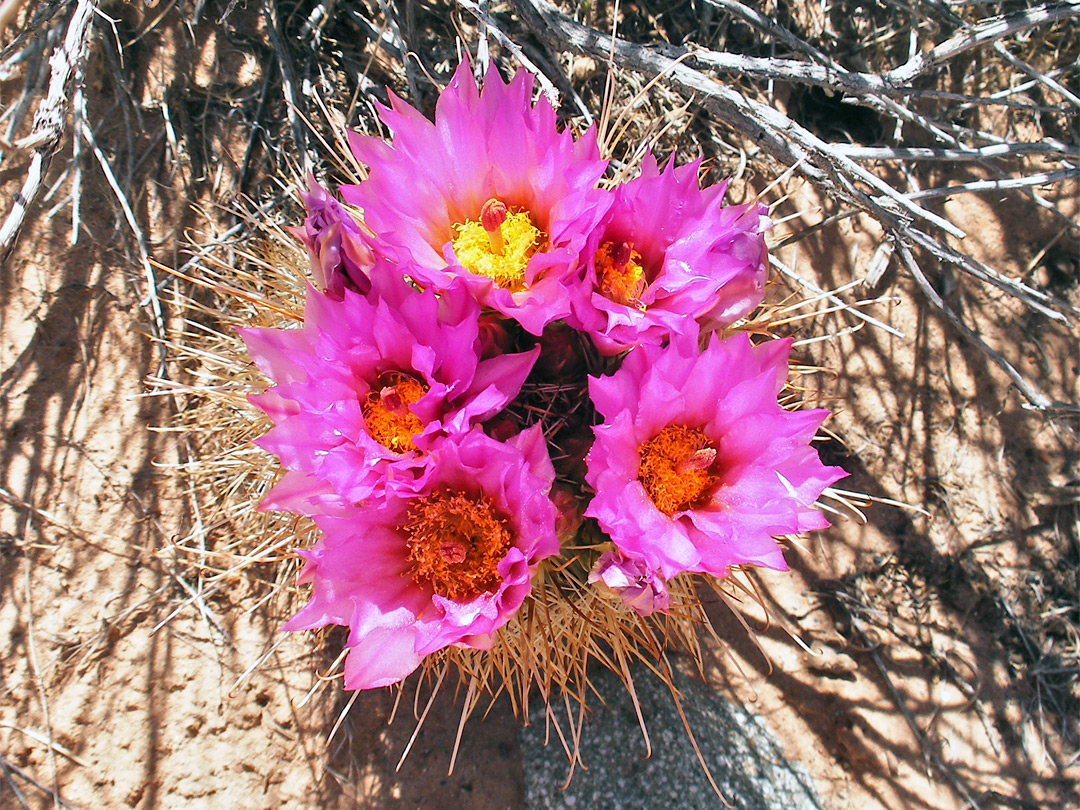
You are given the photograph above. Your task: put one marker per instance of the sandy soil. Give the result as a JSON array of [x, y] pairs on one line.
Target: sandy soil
[[118, 689]]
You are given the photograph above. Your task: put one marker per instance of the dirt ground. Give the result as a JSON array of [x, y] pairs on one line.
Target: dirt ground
[[915, 680]]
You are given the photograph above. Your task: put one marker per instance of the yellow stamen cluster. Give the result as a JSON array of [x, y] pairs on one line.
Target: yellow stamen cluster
[[386, 411], [676, 468], [502, 253], [456, 543], [619, 274]]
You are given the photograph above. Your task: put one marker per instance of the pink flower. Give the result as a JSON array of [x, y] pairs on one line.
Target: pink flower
[[696, 466], [368, 383], [639, 587], [669, 253], [489, 192], [339, 250], [446, 566]]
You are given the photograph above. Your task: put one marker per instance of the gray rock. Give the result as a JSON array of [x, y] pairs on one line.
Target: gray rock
[[745, 760]]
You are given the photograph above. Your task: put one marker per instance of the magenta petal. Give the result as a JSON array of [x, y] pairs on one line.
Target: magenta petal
[[304, 495], [482, 144], [277, 407], [277, 352], [496, 382], [382, 658], [705, 264], [631, 578], [349, 348], [767, 474], [362, 575], [480, 616]]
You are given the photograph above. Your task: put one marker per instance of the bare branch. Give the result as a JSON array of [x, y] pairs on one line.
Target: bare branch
[[493, 26], [987, 31], [789, 272], [1036, 398], [784, 139], [1039, 78], [1042, 179], [997, 150], [832, 167], [288, 83], [44, 139], [133, 223]]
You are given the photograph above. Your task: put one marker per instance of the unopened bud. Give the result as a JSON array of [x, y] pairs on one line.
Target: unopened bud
[[494, 339]]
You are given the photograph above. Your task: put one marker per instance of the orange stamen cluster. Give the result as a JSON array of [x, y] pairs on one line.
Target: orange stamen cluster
[[386, 411], [619, 274], [677, 468], [456, 542]]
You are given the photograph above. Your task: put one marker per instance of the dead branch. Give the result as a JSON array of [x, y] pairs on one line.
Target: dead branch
[[288, 82], [10, 768], [987, 31], [44, 139], [129, 216], [1030, 392], [491, 25], [832, 168]]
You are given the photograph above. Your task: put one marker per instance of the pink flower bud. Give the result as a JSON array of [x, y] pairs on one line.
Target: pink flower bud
[[560, 351], [640, 588], [569, 518], [494, 339]]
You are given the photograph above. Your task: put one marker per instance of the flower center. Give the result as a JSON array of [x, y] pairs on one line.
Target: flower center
[[619, 274], [456, 543], [499, 244], [676, 468], [386, 411]]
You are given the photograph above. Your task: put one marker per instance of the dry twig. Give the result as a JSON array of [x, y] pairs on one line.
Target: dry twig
[[831, 167], [44, 140]]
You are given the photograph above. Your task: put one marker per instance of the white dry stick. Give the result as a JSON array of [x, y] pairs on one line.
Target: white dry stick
[[786, 140], [1039, 78], [1035, 397], [313, 26], [1041, 179], [79, 115], [483, 50], [288, 84], [830, 168], [492, 27], [140, 241], [790, 273], [996, 150], [829, 73], [48, 129], [986, 31]]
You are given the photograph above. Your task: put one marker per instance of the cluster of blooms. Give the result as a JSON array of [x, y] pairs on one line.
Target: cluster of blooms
[[479, 264]]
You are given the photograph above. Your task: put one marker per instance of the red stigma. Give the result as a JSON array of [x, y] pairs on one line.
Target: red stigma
[[699, 460], [452, 553], [620, 254], [492, 215]]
